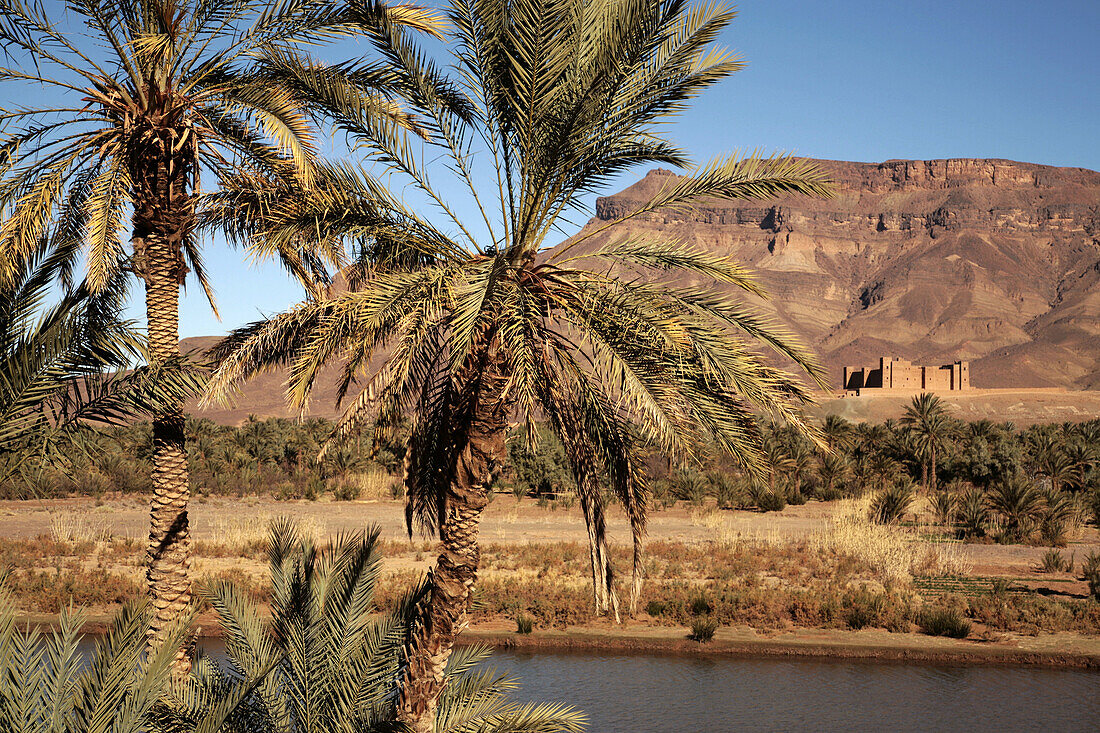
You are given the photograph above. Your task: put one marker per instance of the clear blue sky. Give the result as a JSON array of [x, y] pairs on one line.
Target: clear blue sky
[[860, 80]]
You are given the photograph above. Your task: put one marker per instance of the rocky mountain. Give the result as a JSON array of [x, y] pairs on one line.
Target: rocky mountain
[[993, 261]]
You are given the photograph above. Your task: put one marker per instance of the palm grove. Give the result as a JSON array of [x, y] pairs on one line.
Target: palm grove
[[196, 117]]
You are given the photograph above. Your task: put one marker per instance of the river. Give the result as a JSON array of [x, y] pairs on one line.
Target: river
[[668, 694]]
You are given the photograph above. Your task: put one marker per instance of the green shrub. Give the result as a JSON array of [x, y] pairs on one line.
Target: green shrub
[[795, 497], [945, 505], [702, 629], [891, 504], [656, 608], [1055, 562], [863, 609], [701, 606], [1090, 569], [944, 621], [972, 513], [830, 494], [524, 624], [771, 501], [691, 486], [346, 491], [313, 489], [1094, 505]]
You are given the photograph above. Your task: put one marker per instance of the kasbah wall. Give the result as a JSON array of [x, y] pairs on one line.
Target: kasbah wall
[[894, 373]]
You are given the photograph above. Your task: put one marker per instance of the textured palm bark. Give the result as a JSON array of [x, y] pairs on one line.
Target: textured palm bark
[[480, 429], [161, 173]]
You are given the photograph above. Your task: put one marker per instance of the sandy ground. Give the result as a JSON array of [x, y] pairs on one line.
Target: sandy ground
[[1020, 406], [506, 521]]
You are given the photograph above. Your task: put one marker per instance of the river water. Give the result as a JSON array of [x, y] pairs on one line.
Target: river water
[[667, 694]]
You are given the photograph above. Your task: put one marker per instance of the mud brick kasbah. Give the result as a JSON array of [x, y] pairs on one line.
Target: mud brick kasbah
[[899, 375]]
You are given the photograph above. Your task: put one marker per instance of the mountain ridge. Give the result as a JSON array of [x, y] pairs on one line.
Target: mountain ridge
[[991, 260]]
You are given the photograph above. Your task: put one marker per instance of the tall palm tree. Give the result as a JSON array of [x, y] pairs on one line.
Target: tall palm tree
[[778, 463], [1082, 457], [1050, 459], [931, 426], [145, 97], [833, 468], [484, 325]]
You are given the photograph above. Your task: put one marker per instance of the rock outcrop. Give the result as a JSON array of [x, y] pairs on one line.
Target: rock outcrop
[[993, 261]]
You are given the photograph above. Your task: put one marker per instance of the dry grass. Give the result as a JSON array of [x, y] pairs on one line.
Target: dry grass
[[374, 484], [248, 535], [885, 548], [896, 553], [79, 527]]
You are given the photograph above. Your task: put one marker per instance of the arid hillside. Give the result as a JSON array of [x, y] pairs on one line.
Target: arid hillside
[[988, 260], [993, 261]]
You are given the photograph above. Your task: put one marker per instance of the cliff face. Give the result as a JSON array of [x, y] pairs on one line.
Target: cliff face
[[988, 260]]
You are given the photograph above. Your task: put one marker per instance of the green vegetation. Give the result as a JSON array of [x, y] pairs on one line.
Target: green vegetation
[[324, 660], [703, 629], [278, 457], [1055, 562], [1090, 570], [941, 620], [142, 100]]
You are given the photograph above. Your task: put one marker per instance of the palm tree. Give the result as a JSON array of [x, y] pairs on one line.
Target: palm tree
[[837, 432], [833, 468], [66, 366], [802, 456], [485, 325], [1018, 502], [146, 97], [1051, 460], [47, 685], [326, 661], [777, 461], [931, 426], [1082, 457]]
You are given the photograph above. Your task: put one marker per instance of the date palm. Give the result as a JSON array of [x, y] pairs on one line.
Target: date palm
[[1019, 502], [67, 365], [930, 426], [483, 325], [322, 658], [1082, 457], [144, 98]]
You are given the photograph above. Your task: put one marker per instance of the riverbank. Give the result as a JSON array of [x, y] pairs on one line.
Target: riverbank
[[1073, 651], [817, 580], [1062, 650]]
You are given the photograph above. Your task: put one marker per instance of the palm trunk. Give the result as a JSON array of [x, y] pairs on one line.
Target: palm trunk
[[162, 220], [481, 426], [599, 585], [636, 569], [932, 473], [611, 600]]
